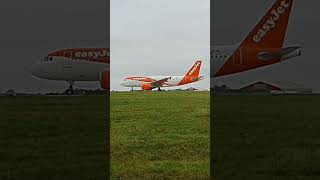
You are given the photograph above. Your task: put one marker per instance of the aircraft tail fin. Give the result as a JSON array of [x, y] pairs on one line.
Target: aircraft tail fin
[[193, 74], [271, 29], [195, 70]]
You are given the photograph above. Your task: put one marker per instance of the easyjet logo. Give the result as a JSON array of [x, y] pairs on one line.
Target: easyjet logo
[[141, 79], [91, 54], [271, 23], [194, 68], [138, 78]]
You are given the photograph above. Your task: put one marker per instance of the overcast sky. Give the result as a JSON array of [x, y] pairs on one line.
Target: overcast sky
[[31, 29], [149, 37], [232, 20], [153, 37]]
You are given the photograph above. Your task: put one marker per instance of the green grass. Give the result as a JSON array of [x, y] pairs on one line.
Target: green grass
[[266, 137], [160, 135], [53, 138]]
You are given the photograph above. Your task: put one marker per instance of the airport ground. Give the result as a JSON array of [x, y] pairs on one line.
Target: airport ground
[[267, 137], [160, 135], [53, 137], [256, 137], [154, 135]]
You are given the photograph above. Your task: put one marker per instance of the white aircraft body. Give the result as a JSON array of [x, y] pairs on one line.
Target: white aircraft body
[[81, 64], [151, 82]]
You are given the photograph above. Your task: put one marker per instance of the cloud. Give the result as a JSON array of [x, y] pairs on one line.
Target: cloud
[[159, 38]]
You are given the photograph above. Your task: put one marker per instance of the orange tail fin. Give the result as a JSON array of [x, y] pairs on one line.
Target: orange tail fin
[[267, 36], [192, 75], [195, 70], [271, 29]]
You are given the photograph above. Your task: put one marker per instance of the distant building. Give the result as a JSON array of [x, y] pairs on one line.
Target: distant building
[[260, 87], [276, 88], [192, 89], [222, 88]]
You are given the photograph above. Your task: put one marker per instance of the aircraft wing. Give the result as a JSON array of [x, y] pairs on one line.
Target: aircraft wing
[[160, 82], [277, 54]]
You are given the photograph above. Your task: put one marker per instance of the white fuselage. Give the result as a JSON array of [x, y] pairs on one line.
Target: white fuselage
[[219, 56], [61, 68], [137, 82]]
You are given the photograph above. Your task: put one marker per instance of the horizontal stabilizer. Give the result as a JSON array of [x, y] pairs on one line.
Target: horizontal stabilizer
[[265, 56]]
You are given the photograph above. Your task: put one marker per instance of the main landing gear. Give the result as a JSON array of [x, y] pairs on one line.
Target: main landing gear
[[70, 90], [159, 89]]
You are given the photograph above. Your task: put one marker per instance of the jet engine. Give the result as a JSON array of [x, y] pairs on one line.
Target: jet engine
[[105, 80], [146, 86]]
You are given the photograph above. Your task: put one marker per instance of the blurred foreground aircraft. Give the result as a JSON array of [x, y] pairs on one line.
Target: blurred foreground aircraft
[[262, 47], [81, 64]]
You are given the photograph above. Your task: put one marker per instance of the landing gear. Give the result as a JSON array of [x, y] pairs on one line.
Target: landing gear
[[70, 90], [159, 89]]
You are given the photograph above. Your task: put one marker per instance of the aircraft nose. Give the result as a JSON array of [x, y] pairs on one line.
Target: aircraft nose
[[36, 70], [123, 83]]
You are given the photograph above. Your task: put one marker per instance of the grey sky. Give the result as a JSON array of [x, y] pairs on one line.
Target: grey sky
[[152, 37], [232, 20], [148, 37], [30, 29]]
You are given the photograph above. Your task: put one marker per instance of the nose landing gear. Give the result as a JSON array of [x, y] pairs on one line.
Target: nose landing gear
[[70, 90]]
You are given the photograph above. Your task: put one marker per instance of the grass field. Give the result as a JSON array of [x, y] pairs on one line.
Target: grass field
[[53, 138], [267, 137], [160, 135]]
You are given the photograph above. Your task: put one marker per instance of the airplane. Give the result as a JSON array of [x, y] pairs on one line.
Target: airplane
[[262, 47], [77, 64], [151, 82]]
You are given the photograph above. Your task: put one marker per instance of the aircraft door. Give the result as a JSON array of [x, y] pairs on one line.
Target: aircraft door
[[237, 57], [67, 63]]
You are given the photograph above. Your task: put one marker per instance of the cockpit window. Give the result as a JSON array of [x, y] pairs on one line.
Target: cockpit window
[[47, 59]]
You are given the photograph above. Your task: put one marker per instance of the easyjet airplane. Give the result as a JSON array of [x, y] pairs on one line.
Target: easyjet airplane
[[151, 82], [263, 46], [81, 64]]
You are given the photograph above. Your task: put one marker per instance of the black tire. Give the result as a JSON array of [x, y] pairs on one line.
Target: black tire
[[69, 92]]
